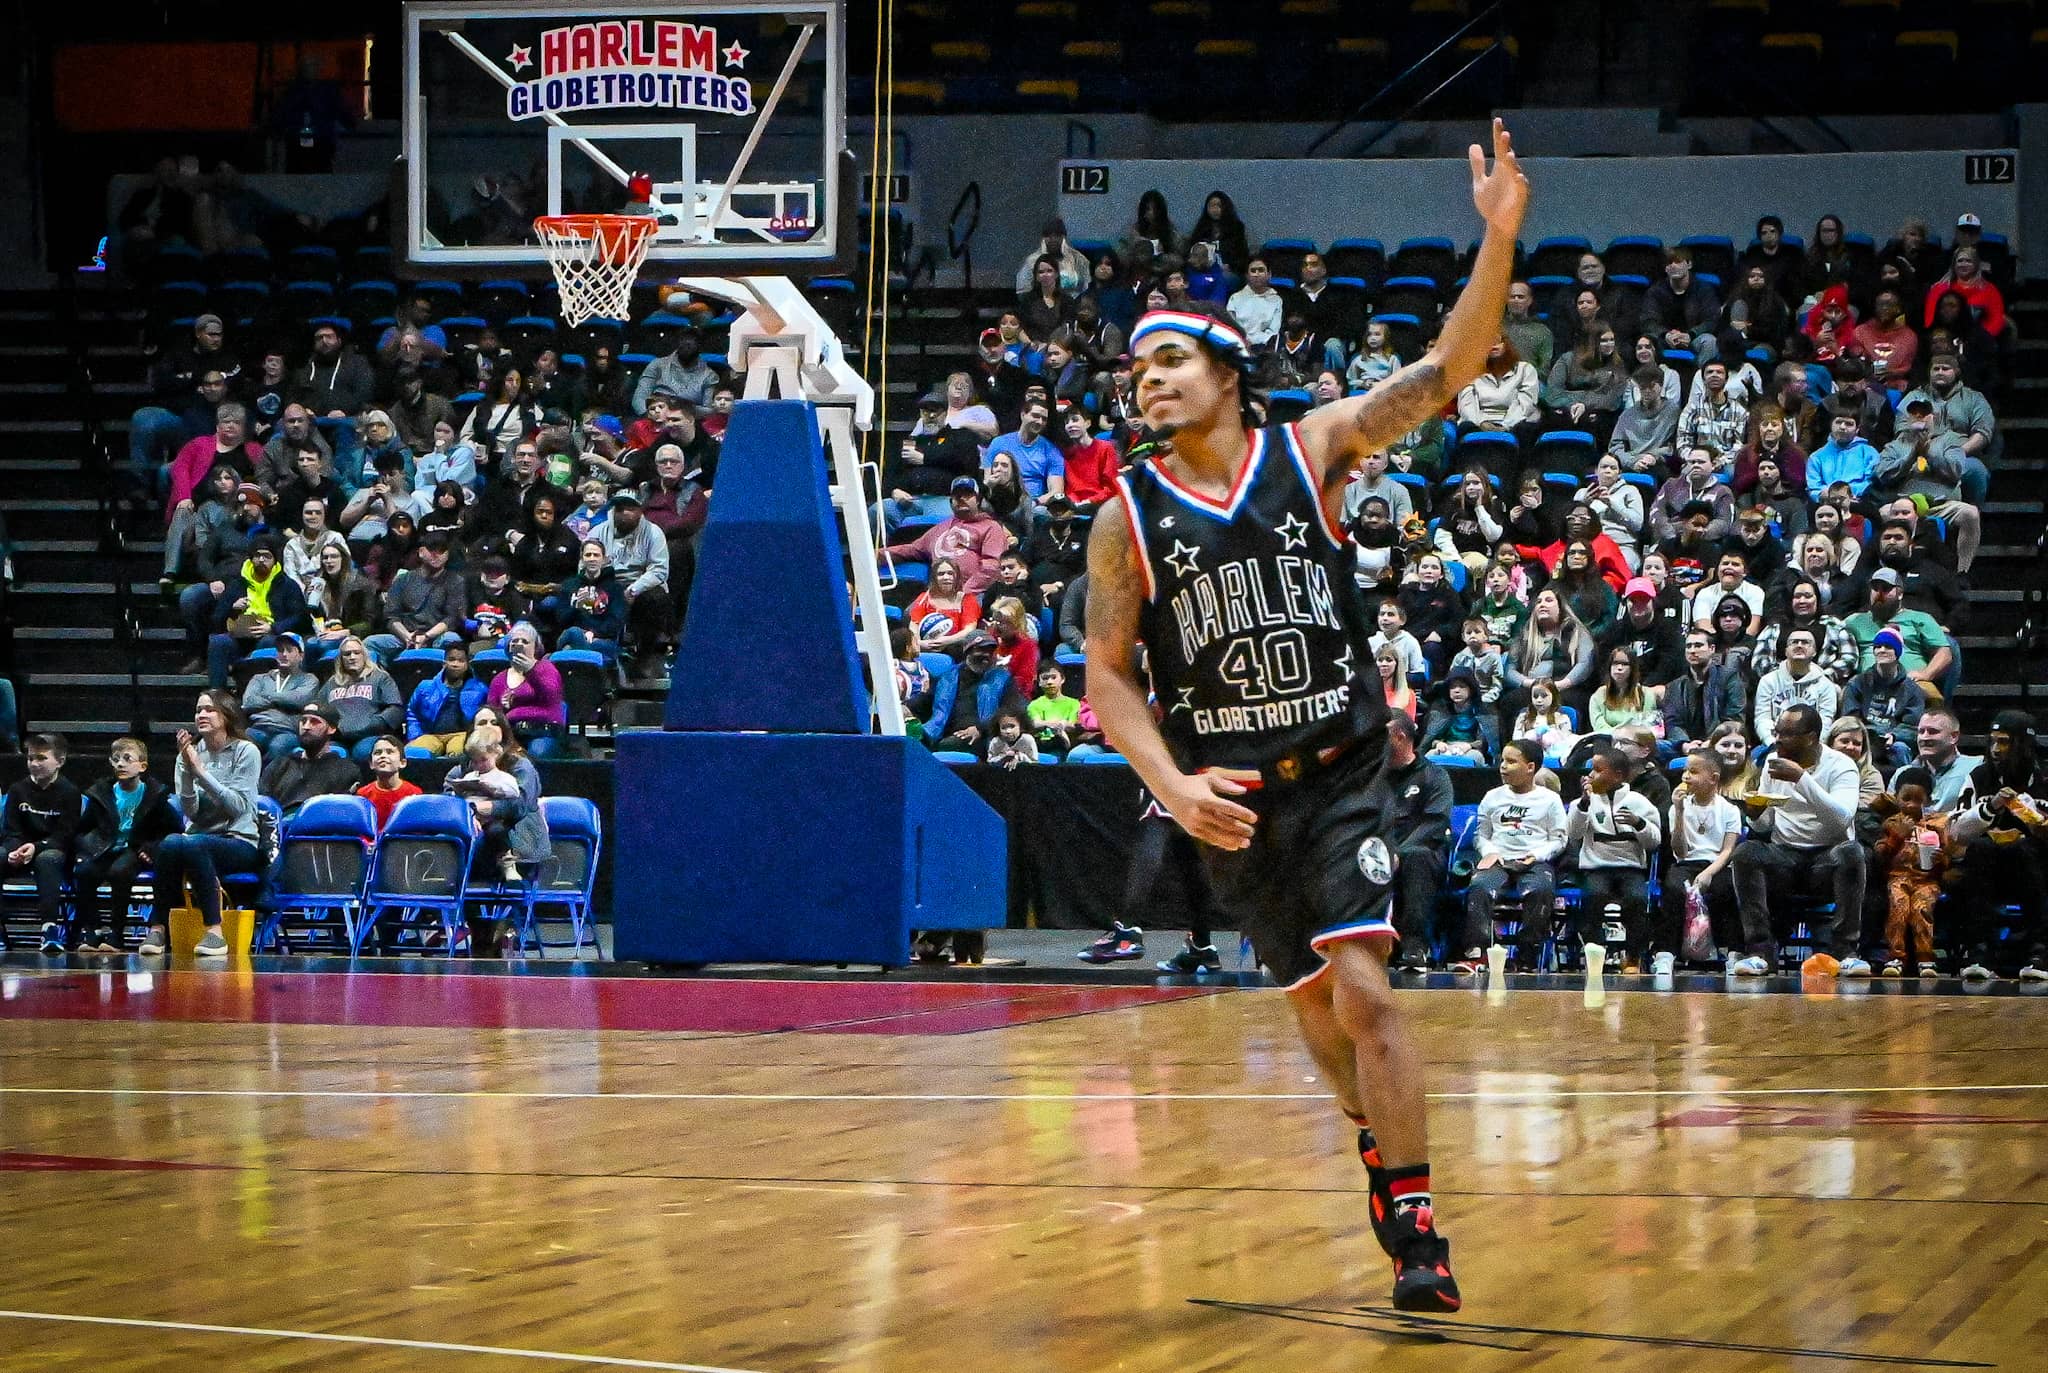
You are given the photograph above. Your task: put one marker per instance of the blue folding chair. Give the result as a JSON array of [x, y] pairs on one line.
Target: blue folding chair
[[323, 870], [567, 879], [421, 865]]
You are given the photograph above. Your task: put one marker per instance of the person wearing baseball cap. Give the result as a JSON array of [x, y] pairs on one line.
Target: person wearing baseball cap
[[1924, 651], [317, 768], [973, 538], [272, 700], [965, 703], [1657, 640], [918, 480]]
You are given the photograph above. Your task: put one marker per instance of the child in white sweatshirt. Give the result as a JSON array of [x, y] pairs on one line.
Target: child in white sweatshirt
[[1619, 833], [1522, 830]]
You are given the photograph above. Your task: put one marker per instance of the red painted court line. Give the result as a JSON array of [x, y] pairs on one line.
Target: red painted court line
[[569, 1003], [75, 1163]]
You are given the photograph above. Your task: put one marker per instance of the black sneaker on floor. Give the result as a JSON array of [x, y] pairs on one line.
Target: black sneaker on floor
[[1121, 944], [1381, 1196], [53, 939], [1422, 1263], [1192, 960]]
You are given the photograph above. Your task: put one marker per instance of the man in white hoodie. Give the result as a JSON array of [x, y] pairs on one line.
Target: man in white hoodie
[[1796, 681], [1618, 832], [1522, 830]]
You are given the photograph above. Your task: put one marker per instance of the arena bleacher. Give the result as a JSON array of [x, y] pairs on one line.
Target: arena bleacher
[[344, 368]]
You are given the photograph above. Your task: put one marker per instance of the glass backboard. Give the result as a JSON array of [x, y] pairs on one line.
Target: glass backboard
[[730, 117]]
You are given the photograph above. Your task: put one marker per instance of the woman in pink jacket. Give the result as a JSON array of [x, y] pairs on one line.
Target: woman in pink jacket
[[529, 692]]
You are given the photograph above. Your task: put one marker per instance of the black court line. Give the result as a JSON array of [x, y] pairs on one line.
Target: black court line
[[1466, 1332]]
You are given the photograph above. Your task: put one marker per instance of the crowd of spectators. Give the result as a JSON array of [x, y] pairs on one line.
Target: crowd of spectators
[[344, 501], [1692, 529], [208, 823], [1669, 511]]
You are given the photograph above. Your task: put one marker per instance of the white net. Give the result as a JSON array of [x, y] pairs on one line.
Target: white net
[[596, 258]]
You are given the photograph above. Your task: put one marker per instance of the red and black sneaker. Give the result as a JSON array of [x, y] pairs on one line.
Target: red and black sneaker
[[1381, 1196], [1422, 1262]]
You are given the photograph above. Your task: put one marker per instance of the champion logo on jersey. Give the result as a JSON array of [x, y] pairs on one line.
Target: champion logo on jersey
[[1375, 862]]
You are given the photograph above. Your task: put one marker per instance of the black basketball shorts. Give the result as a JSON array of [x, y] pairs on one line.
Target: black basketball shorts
[[1318, 870]]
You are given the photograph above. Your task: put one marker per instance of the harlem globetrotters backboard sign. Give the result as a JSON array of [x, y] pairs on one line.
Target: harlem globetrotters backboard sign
[[642, 64], [734, 112]]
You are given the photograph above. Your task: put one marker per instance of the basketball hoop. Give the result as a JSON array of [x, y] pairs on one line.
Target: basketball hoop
[[596, 258]]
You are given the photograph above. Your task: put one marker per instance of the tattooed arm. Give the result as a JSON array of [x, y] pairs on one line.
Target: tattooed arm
[[1339, 436], [1200, 803]]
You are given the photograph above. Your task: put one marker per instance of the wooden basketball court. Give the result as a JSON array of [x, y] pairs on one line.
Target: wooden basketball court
[[358, 1171]]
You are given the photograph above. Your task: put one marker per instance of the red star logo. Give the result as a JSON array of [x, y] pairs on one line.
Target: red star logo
[[735, 56], [520, 59]]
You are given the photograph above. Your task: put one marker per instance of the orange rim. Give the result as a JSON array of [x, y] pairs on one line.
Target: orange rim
[[617, 236]]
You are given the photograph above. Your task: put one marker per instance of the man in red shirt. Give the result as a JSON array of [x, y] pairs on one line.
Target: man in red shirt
[[1091, 462], [1966, 277]]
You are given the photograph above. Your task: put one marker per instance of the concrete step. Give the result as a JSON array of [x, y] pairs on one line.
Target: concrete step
[[194, 680]]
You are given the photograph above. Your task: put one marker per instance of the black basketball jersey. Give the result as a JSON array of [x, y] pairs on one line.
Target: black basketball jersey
[[1255, 630]]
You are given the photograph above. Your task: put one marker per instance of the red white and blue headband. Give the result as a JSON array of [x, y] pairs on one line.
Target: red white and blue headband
[[1218, 334]]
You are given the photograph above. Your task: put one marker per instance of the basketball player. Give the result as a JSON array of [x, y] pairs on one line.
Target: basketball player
[[1223, 558]]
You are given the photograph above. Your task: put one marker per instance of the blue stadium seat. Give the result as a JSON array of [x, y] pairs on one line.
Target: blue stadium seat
[[1557, 257], [314, 260], [1496, 450], [1566, 450], [1711, 253], [413, 666], [1284, 255], [1433, 257], [1364, 258], [176, 298], [1639, 255]]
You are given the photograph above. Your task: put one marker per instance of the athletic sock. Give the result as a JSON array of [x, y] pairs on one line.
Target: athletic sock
[[1410, 1187]]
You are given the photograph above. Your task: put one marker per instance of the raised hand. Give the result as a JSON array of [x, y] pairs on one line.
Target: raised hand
[[1502, 195]]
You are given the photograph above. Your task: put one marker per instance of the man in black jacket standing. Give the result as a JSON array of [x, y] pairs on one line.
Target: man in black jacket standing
[[1418, 829]]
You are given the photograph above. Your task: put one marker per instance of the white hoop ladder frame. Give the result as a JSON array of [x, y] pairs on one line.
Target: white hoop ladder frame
[[782, 347]]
